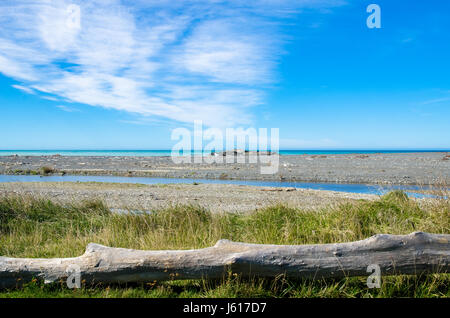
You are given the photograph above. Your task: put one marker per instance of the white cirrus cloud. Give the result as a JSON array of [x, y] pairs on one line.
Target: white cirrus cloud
[[24, 89], [178, 60], [67, 108]]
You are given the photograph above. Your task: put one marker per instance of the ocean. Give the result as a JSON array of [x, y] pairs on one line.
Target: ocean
[[151, 153]]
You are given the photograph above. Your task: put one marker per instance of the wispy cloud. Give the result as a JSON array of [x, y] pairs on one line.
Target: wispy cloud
[[308, 144], [178, 60], [436, 101], [24, 89], [67, 108]]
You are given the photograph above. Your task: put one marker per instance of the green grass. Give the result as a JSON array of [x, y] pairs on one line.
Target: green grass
[[32, 227], [25, 172], [46, 170]]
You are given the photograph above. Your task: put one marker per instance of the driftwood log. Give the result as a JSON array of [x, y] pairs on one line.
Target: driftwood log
[[415, 253]]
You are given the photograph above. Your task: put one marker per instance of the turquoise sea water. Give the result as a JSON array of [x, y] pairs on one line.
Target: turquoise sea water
[[150, 153]]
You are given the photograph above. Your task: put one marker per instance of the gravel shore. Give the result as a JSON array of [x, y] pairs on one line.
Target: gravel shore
[[399, 168], [215, 197]]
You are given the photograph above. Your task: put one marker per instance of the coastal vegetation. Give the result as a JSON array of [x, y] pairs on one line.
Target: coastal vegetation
[[43, 171], [37, 227], [46, 170]]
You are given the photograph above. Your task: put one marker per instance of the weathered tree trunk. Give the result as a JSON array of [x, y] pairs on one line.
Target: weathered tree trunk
[[395, 254]]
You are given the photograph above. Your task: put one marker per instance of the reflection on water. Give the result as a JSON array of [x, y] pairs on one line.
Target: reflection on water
[[341, 187]]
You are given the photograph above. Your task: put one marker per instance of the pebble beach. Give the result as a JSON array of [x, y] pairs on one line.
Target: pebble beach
[[432, 168], [397, 169]]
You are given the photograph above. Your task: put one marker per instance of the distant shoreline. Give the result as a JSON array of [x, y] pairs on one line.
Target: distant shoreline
[[426, 168], [167, 153]]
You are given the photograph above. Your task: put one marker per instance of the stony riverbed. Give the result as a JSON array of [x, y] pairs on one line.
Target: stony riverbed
[[215, 197], [398, 168]]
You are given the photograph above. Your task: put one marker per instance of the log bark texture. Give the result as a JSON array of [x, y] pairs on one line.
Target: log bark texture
[[415, 253]]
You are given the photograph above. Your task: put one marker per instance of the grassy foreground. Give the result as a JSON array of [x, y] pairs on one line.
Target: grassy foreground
[[33, 227]]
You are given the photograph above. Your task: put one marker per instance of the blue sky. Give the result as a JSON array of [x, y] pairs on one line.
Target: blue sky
[[134, 70]]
